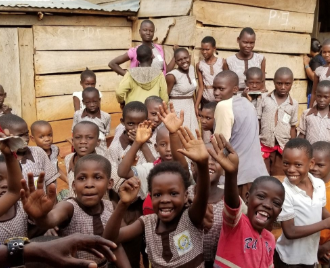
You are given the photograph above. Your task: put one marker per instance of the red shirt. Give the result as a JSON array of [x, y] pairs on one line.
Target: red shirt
[[242, 246]]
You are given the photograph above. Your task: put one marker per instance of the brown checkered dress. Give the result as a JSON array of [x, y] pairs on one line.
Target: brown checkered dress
[[83, 223], [180, 247]]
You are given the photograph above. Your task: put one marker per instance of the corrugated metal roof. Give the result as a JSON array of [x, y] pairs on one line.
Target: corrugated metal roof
[[120, 5], [53, 4]]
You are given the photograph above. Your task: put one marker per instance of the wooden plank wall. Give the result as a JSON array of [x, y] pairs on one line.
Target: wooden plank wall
[[282, 28], [62, 52]]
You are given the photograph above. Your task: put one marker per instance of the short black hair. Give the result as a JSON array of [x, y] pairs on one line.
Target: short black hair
[[134, 106], [90, 90], [210, 105], [151, 99], [210, 40], [148, 22], [315, 45], [247, 30], [96, 158], [1, 88], [301, 144], [326, 42], [283, 71], [262, 179], [228, 74], [169, 167], [322, 146], [87, 124], [144, 53], [39, 123], [7, 121], [254, 71], [324, 84], [86, 74], [180, 49]]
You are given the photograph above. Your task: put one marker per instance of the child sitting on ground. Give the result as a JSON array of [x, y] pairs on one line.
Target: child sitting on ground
[[42, 135], [315, 122], [174, 236], [143, 81], [278, 116], [244, 241], [254, 85], [206, 117], [321, 169], [93, 113], [87, 79], [4, 109], [303, 213], [88, 213], [33, 159]]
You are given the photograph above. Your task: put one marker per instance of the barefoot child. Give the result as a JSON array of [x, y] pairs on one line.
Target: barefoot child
[[303, 213], [87, 79], [173, 234], [245, 58], [181, 86], [206, 117], [33, 159], [254, 85], [278, 116], [206, 70], [85, 214], [4, 109], [315, 122], [93, 113], [244, 241]]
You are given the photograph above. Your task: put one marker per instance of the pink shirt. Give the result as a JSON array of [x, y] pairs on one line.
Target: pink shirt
[[133, 56], [242, 246]]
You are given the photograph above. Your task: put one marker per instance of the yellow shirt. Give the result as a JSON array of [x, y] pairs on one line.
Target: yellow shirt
[[325, 234]]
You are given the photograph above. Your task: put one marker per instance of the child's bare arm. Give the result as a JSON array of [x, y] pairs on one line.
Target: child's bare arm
[[143, 134], [200, 89], [293, 132], [114, 64], [225, 65], [173, 124], [170, 66], [76, 103], [263, 69], [228, 159], [39, 205], [128, 192], [313, 94], [323, 252], [170, 81], [195, 150]]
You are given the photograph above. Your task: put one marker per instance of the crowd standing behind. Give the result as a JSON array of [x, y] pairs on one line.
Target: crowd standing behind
[[188, 179]]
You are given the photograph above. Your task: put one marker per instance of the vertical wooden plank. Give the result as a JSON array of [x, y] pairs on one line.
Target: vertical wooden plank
[[9, 66], [25, 41]]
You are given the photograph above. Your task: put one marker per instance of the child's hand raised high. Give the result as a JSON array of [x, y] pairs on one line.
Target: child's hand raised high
[[193, 148], [224, 153], [129, 190], [36, 202], [169, 118], [143, 132]]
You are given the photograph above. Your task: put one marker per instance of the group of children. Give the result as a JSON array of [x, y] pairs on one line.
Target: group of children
[[165, 190]]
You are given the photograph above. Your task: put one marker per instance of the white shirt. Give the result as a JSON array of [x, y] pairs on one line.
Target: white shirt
[[305, 211]]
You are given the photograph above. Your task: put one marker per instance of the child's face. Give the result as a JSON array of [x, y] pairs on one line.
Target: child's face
[[321, 169], [246, 43], [296, 165], [88, 82], [3, 179], [91, 101], [322, 97], [21, 130], [207, 50], [3, 95], [182, 59], [153, 109], [264, 204], [326, 53], [132, 120], [254, 83], [43, 136], [223, 89], [85, 139], [90, 183], [162, 145], [168, 196], [147, 32], [207, 119], [283, 84]]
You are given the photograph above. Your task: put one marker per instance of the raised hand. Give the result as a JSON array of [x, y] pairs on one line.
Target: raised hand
[[4, 144], [224, 153], [169, 118], [131, 135], [245, 94], [36, 202], [129, 190], [143, 132], [193, 148]]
